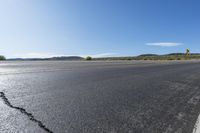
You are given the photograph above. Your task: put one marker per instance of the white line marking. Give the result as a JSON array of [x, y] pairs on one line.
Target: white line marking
[[197, 126]]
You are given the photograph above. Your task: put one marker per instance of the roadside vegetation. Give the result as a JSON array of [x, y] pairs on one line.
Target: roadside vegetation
[[2, 57], [172, 56], [88, 58]]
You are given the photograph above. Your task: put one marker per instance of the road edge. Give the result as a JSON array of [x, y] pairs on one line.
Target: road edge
[[196, 128]]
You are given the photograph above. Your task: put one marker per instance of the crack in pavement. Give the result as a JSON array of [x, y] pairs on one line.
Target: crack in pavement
[[23, 111]]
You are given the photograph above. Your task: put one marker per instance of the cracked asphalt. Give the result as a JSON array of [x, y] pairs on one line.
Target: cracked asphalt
[[99, 97]]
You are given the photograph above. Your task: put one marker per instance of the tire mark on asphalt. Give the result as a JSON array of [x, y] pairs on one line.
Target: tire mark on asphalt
[[23, 111]]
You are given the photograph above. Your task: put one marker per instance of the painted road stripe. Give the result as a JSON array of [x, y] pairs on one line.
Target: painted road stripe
[[197, 126]]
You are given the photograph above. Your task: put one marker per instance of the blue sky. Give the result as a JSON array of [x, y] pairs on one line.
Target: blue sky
[[43, 28]]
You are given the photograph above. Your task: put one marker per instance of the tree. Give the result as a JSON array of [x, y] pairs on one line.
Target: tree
[[187, 52], [88, 58], [2, 57]]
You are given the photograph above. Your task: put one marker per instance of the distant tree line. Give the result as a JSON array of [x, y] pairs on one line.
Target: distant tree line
[[2, 57]]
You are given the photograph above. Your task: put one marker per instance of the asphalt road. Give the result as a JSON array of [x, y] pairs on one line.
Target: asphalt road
[[99, 97]]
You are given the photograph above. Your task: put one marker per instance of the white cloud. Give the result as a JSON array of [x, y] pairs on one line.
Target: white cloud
[[38, 55], [165, 44], [104, 55], [49, 55], [32, 55]]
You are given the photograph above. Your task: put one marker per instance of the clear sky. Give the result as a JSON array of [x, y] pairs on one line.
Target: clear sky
[[42, 28]]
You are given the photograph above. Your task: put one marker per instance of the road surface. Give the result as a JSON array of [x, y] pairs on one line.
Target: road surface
[[99, 97]]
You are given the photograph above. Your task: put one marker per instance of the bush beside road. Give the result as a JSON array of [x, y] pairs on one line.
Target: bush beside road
[[2, 57]]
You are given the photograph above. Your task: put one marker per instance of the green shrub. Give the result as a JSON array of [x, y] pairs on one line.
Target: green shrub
[[2, 57], [88, 58]]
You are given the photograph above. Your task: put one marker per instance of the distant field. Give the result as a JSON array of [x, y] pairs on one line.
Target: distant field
[[172, 56], [155, 57]]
